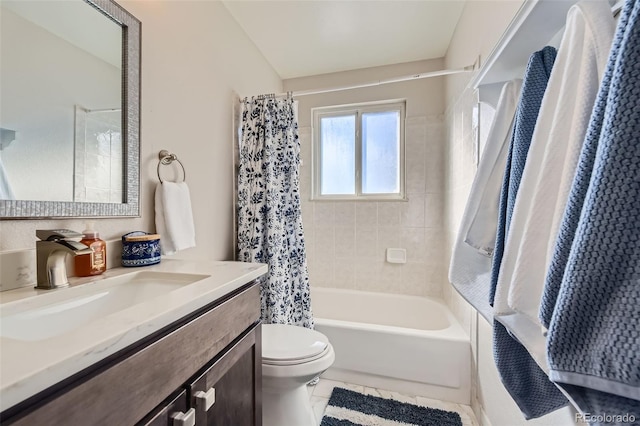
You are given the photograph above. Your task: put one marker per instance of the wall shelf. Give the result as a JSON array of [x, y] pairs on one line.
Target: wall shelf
[[538, 23]]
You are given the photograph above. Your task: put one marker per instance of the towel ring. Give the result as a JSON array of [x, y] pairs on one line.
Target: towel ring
[[167, 158]]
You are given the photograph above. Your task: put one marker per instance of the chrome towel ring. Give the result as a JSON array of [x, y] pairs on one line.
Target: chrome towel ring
[[167, 158]]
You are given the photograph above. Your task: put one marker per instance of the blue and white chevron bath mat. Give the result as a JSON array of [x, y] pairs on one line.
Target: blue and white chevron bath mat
[[349, 408]]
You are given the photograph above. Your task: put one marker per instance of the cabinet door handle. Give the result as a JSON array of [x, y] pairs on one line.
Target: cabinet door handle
[[207, 398], [184, 419]]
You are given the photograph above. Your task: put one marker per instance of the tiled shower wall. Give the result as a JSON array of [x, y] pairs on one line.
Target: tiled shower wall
[[98, 156], [346, 241]]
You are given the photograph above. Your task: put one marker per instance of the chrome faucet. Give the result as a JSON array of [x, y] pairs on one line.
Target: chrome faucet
[[51, 253]]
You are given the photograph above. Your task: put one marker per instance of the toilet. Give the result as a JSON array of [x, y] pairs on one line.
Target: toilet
[[291, 357]]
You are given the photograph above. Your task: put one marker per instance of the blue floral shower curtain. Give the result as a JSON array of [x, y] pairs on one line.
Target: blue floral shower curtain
[[269, 214]]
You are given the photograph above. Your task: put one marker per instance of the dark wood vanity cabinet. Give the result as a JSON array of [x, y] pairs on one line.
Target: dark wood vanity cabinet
[[226, 392], [236, 380], [164, 414], [206, 368]]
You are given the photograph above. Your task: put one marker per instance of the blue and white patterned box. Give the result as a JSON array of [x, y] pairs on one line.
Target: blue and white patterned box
[[140, 253]]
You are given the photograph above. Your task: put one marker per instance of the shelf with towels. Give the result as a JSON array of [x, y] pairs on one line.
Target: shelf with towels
[[569, 158]]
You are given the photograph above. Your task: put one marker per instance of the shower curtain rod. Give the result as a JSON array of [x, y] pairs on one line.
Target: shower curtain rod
[[379, 82]]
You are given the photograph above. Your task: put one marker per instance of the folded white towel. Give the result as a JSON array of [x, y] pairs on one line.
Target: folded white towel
[[174, 218]]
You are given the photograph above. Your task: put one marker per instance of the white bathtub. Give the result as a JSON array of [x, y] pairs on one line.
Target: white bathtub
[[402, 343]]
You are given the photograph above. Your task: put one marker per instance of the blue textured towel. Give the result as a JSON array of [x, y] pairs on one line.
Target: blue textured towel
[[533, 86], [525, 381], [567, 230], [592, 294]]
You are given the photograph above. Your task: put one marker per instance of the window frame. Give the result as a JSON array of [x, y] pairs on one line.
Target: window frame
[[357, 109]]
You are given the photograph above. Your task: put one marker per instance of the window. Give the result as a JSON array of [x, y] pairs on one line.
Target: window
[[359, 152]]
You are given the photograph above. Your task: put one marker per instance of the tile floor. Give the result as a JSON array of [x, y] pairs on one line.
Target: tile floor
[[320, 393]]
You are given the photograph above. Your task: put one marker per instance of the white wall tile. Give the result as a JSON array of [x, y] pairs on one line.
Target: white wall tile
[[324, 242], [433, 211], [305, 183], [391, 275], [366, 242], [323, 213], [415, 174], [345, 243], [415, 140], [414, 278], [100, 176], [345, 273], [307, 208], [435, 245], [435, 279], [435, 160], [413, 240], [321, 273], [366, 214], [412, 214], [345, 214], [389, 213], [388, 237], [367, 274]]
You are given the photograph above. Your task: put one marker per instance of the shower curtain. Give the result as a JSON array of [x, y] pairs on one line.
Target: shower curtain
[[268, 208]]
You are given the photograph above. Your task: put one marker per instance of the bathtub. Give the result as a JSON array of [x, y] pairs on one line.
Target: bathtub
[[407, 344]]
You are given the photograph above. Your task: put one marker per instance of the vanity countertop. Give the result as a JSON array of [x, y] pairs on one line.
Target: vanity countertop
[[30, 366]]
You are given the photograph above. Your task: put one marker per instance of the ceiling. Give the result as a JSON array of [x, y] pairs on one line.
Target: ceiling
[[308, 37]]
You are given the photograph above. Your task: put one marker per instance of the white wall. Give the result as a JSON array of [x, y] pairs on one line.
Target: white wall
[[195, 58], [480, 26], [346, 240]]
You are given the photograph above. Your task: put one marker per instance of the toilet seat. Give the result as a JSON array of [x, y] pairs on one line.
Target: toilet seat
[[276, 362], [291, 345]]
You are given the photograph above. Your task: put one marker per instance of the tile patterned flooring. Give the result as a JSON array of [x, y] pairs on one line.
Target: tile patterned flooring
[[320, 393]]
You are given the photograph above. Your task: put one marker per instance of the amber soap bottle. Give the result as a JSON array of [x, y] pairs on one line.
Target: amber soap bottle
[[96, 262]]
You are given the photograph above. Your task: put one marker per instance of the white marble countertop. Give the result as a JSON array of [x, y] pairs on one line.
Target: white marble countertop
[[30, 366]]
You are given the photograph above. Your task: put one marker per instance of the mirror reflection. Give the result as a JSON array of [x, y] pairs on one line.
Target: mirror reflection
[[61, 103]]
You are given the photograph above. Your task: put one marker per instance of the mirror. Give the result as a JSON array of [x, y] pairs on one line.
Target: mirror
[[69, 110]]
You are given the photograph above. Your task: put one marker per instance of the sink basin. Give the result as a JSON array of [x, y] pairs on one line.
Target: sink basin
[[63, 310]]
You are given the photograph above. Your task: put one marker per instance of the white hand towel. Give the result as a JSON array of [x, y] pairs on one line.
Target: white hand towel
[[174, 218]]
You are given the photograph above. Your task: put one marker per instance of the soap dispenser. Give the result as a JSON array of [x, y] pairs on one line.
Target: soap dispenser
[[94, 263]]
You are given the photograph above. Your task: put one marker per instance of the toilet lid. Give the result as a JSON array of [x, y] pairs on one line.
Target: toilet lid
[[288, 342]]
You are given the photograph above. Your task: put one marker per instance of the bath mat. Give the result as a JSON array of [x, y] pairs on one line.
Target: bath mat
[[349, 408]]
